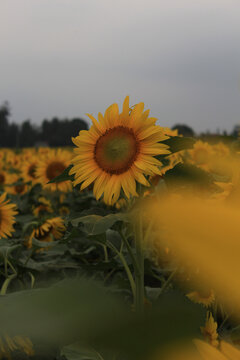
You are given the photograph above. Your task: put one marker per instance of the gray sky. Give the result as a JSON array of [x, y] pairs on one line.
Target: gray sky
[[70, 57]]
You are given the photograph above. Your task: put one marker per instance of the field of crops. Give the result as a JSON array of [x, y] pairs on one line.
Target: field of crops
[[124, 247]]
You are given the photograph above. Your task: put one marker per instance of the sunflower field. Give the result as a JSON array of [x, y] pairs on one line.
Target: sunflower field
[[124, 247]]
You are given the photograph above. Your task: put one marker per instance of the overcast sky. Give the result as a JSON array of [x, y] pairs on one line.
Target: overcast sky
[[70, 57]]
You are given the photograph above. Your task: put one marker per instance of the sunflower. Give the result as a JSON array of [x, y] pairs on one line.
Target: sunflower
[[64, 211], [51, 166], [209, 331], [225, 352], [16, 186], [29, 169], [7, 213], [201, 154], [9, 345], [50, 230], [200, 297], [4, 178], [44, 206], [117, 151]]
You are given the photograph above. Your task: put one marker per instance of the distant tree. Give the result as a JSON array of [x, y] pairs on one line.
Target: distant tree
[[27, 135], [13, 136], [57, 132], [236, 131], [184, 130], [4, 123]]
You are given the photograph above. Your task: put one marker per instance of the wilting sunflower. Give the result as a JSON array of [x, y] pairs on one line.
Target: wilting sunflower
[[7, 213], [117, 151], [50, 230], [51, 166]]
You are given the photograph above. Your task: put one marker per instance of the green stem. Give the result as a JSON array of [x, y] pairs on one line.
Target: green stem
[[130, 251], [126, 267], [105, 253], [165, 285], [139, 275]]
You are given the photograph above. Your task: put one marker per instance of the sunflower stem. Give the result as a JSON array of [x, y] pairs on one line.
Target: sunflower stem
[[139, 275], [130, 251], [126, 267]]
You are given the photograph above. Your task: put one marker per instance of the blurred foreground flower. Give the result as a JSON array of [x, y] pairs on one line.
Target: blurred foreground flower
[[117, 151], [201, 235], [9, 345]]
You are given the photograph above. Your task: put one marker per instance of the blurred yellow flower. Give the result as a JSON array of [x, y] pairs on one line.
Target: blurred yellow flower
[[9, 345], [209, 331]]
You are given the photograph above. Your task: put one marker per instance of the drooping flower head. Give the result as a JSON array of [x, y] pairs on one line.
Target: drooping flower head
[[52, 229], [118, 150]]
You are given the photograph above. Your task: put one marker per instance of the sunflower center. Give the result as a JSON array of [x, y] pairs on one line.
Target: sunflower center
[[2, 179], [32, 171], [54, 169], [116, 150], [20, 188]]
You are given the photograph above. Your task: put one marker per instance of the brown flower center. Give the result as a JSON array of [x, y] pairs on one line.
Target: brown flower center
[[32, 171], [55, 169], [2, 179], [19, 188], [116, 150]]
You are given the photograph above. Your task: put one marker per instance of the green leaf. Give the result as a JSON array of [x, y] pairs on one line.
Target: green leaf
[[96, 224], [188, 173], [78, 352], [178, 143], [43, 244], [83, 310], [5, 250], [63, 177]]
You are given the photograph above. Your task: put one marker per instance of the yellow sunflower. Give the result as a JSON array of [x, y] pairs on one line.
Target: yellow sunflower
[[16, 186], [209, 331], [200, 297], [43, 207], [64, 211], [201, 154], [9, 345], [50, 230], [117, 151], [4, 178], [29, 170], [52, 166], [7, 213], [208, 352]]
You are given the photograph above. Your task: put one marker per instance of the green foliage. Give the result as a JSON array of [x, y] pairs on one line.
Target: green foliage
[[64, 176], [178, 143]]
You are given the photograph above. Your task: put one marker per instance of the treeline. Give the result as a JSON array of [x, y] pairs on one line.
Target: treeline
[[58, 132], [54, 132]]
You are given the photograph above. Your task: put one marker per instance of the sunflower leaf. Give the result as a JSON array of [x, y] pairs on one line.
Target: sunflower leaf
[[95, 224], [63, 177], [178, 143]]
